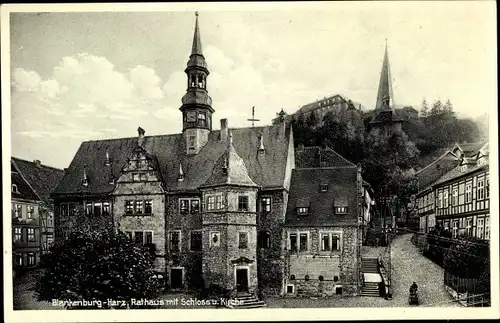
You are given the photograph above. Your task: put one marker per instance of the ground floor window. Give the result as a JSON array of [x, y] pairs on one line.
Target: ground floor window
[[480, 228], [31, 259], [455, 229], [290, 289], [19, 259], [487, 227], [468, 227]]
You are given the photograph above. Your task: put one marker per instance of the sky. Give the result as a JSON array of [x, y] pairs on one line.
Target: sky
[[78, 76]]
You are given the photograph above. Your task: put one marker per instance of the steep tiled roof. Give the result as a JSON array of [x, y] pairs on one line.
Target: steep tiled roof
[[432, 172], [457, 172], [265, 171], [43, 179], [24, 191], [229, 169], [313, 157], [305, 186]]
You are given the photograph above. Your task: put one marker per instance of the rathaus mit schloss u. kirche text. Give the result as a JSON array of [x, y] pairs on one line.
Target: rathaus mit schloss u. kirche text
[[237, 207]]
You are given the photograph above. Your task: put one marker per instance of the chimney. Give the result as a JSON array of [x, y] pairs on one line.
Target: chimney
[[140, 139], [85, 180], [223, 130], [261, 143], [37, 163], [180, 176]]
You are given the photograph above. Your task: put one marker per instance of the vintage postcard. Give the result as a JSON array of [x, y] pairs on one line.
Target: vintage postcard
[[250, 161]]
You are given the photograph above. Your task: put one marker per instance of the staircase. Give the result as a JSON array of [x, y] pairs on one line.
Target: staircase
[[245, 300], [370, 266]]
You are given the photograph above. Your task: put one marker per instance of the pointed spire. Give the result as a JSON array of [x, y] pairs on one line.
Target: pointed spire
[[385, 97], [196, 50]]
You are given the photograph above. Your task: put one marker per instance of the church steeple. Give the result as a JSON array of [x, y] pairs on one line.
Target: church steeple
[[385, 96], [196, 103]]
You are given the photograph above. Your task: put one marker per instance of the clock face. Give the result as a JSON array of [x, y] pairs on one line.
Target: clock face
[[191, 116]]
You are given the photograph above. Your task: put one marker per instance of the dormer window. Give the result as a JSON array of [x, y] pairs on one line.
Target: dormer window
[[14, 189], [480, 161], [463, 168], [340, 209], [302, 210], [323, 187], [303, 206]]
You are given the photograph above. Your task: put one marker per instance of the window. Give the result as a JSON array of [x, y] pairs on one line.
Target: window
[[184, 206], [18, 211], [196, 241], [129, 207], [455, 229], [214, 239], [97, 209], [468, 193], [175, 241], [290, 289], [487, 190], [242, 203], [18, 234], [266, 204], [463, 168], [50, 240], [303, 242], [302, 210], [468, 227], [191, 142], [323, 187], [440, 200], [139, 237], [292, 242], [454, 197], [148, 207], [480, 161], [389, 131], [31, 212], [445, 199], [340, 210], [19, 259], [330, 241], [148, 237], [242, 240], [487, 228], [263, 239], [202, 121], [31, 235], [135, 177], [480, 189], [88, 209], [480, 228], [138, 207], [31, 259], [106, 208], [214, 202], [14, 188]]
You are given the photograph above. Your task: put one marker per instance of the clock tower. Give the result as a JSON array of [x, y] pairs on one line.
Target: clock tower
[[196, 103]]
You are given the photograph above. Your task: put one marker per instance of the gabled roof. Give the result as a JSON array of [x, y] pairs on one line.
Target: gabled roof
[[24, 190], [229, 169], [316, 156], [42, 179], [342, 190], [266, 171], [457, 172]]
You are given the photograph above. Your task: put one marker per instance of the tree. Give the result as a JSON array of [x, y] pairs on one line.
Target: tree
[[467, 257], [94, 265], [425, 108], [437, 108]]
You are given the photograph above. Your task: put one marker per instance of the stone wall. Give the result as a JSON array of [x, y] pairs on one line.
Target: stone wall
[[344, 263]]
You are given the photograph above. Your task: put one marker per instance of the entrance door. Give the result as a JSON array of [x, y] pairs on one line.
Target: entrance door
[[242, 280], [176, 278]]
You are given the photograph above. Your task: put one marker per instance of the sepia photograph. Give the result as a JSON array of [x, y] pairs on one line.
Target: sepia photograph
[[291, 160]]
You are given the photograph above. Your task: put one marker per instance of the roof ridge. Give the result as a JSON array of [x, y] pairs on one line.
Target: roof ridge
[[435, 161], [42, 165], [342, 157], [24, 179]]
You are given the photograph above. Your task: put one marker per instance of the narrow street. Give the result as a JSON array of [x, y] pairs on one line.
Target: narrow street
[[409, 266]]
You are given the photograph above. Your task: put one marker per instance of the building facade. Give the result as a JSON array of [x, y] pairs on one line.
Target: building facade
[[32, 211]]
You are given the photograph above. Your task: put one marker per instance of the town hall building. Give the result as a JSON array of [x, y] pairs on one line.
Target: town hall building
[[215, 203]]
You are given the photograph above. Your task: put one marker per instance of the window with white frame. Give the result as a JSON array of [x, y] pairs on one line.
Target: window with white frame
[[31, 235], [31, 259], [243, 203], [454, 197], [463, 168], [455, 229], [480, 228], [302, 210], [298, 242], [31, 212], [468, 227], [189, 206], [266, 204], [468, 193], [487, 188], [340, 209], [445, 199], [330, 241], [487, 228], [214, 202], [480, 189], [14, 189], [18, 234], [106, 208], [215, 239], [440, 200], [19, 259], [18, 211], [175, 240]]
